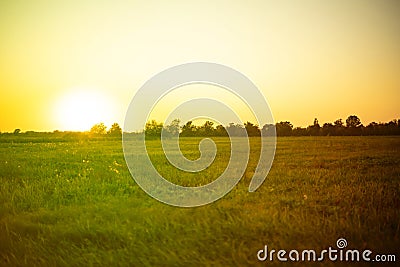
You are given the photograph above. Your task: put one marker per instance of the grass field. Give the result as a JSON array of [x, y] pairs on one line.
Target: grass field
[[75, 204]]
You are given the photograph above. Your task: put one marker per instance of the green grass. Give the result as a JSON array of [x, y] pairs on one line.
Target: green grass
[[75, 203]]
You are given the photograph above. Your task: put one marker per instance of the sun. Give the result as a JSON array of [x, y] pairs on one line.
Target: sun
[[81, 108]]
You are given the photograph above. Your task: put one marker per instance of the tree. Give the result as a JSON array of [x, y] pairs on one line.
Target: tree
[[284, 128], [328, 129], [353, 121], [220, 131], [115, 130], [373, 129], [354, 126], [206, 129], [392, 127], [17, 131], [252, 129], [174, 127], [153, 129], [188, 129], [339, 127], [236, 130], [268, 130], [388, 128], [99, 129], [338, 123], [299, 131], [315, 128]]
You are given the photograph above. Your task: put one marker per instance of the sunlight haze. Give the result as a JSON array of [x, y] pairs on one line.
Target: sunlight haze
[[311, 59]]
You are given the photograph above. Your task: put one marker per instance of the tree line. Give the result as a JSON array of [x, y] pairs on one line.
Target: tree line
[[97, 130], [352, 126]]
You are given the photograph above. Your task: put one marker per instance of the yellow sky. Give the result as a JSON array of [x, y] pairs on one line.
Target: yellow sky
[[324, 59]]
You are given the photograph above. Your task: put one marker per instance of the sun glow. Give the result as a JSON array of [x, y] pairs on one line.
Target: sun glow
[[80, 109]]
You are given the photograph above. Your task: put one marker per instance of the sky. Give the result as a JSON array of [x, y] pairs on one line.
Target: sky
[[65, 65]]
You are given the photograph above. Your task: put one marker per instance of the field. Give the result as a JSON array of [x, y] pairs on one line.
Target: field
[[74, 203]]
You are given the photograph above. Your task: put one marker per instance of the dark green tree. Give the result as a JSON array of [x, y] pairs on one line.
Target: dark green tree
[[236, 129], [338, 123], [354, 126], [220, 131], [173, 128], [284, 128], [252, 129], [328, 129], [299, 131], [353, 121], [188, 129], [339, 127], [98, 129], [153, 129], [268, 130], [115, 130], [314, 129], [206, 129]]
